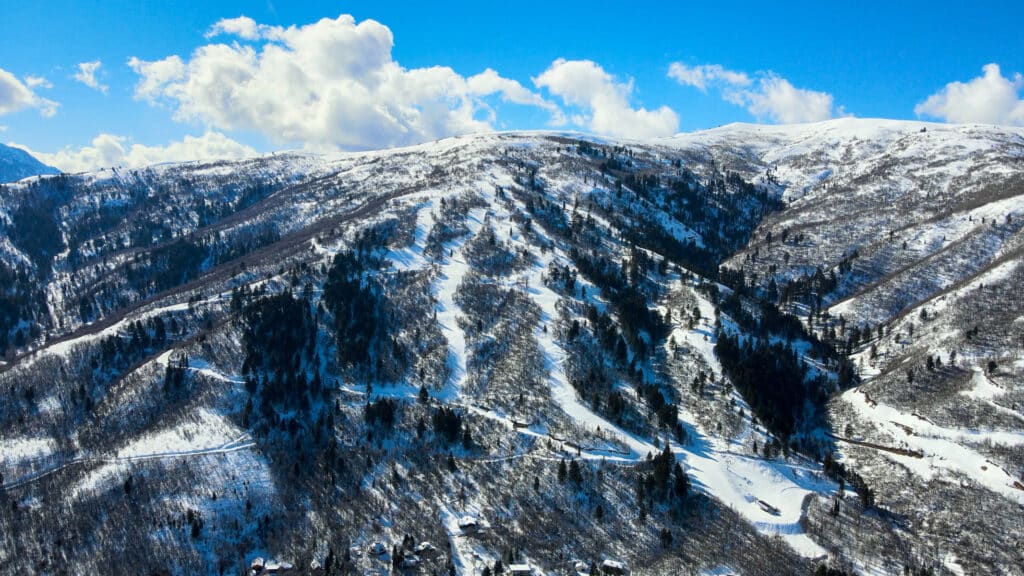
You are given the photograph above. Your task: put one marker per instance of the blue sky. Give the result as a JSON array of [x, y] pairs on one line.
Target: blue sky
[[278, 79]]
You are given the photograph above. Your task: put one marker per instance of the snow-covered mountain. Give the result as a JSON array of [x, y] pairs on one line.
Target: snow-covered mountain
[[16, 164], [688, 355]]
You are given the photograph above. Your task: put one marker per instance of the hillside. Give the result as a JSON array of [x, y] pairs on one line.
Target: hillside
[[16, 164], [529, 348]]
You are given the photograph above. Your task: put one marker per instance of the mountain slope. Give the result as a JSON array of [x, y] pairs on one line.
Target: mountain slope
[[901, 243], [16, 164], [299, 356]]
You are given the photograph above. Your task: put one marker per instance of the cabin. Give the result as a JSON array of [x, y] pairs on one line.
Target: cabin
[[425, 549], [261, 567], [520, 570], [378, 549], [469, 525], [614, 567]]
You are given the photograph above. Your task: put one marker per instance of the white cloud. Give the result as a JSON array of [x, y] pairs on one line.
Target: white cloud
[[243, 27], [767, 96], [14, 96], [777, 100], [87, 75], [328, 85], [156, 76], [109, 150], [990, 99], [700, 76], [33, 81], [605, 102]]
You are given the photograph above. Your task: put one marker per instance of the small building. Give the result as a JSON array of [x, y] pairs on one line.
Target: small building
[[261, 567], [425, 548], [520, 570], [378, 548], [277, 567], [469, 524], [614, 567]]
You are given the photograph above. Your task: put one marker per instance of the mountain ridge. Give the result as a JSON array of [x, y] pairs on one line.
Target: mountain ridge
[[16, 164], [466, 315]]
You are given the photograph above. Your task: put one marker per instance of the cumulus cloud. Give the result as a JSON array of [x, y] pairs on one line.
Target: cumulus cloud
[[332, 84], [700, 76], [777, 100], [605, 102], [108, 150], [15, 95], [243, 27], [990, 98], [87, 75], [766, 95], [156, 76]]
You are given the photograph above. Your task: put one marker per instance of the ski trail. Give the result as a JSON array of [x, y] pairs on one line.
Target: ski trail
[[411, 258], [450, 276], [244, 442]]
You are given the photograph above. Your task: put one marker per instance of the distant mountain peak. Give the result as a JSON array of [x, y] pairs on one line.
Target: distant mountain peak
[[16, 164]]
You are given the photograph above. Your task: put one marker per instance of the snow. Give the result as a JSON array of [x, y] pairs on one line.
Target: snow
[[204, 433], [983, 388], [737, 480], [722, 467], [740, 481], [16, 164], [944, 449], [201, 366], [15, 451], [451, 273], [412, 258], [204, 429], [65, 347], [469, 555], [949, 560]]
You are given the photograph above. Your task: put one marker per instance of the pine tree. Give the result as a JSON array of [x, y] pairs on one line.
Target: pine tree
[[681, 486], [575, 474], [561, 472]]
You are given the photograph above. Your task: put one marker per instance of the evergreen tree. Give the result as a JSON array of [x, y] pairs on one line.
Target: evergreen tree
[[681, 484], [575, 474]]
